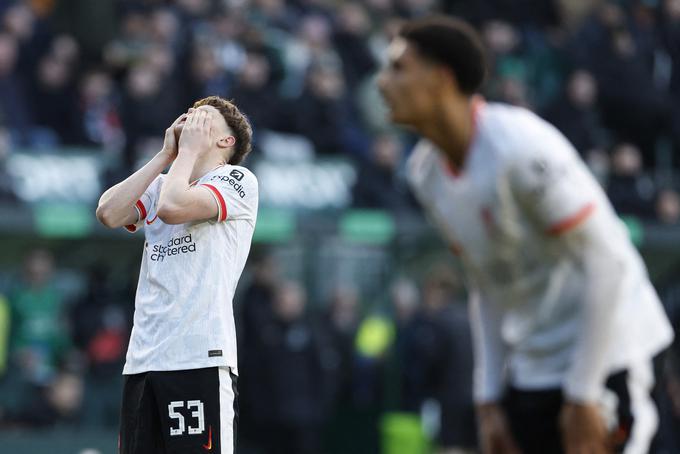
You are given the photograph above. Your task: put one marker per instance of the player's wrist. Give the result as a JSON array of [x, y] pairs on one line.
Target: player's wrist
[[487, 410], [187, 151], [165, 156]]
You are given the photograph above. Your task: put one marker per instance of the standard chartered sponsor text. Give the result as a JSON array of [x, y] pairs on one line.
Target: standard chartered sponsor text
[[175, 246]]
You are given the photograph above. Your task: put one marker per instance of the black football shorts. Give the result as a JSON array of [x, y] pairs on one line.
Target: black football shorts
[[183, 411]]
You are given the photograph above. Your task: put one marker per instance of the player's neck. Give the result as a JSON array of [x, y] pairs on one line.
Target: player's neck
[[206, 165], [451, 130]]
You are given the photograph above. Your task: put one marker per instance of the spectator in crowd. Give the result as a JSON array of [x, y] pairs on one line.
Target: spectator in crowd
[[575, 112], [669, 18], [98, 326], [668, 207], [324, 114], [351, 41], [58, 402], [632, 104], [7, 194], [255, 311], [206, 76], [54, 100], [256, 93], [290, 358], [32, 35], [146, 108], [445, 322], [508, 63], [99, 110], [338, 325], [629, 189], [131, 45], [379, 183], [13, 104], [39, 336], [434, 351], [311, 45], [407, 391]]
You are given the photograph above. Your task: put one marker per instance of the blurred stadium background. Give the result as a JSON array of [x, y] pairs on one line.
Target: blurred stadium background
[[352, 321]]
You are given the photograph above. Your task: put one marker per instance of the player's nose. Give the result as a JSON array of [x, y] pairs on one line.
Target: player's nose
[[382, 83]]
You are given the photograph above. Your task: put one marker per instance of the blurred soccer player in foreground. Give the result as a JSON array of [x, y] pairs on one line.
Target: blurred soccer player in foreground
[[180, 371], [565, 321]]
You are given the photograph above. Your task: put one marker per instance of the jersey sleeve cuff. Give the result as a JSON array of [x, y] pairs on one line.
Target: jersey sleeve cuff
[[141, 215], [221, 205], [487, 394], [571, 222], [582, 391]]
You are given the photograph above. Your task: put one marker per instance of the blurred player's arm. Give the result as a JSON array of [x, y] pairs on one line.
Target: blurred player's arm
[[179, 202], [490, 357], [116, 206], [557, 192], [580, 419], [559, 195], [489, 349]]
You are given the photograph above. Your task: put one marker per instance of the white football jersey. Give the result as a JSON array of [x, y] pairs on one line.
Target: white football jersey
[[184, 316], [521, 187]]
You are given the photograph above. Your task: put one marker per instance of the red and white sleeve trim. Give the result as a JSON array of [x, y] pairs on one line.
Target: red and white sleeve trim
[[221, 205], [141, 209], [572, 221], [141, 215]]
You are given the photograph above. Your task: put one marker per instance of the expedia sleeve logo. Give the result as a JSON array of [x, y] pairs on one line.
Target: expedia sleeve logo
[[174, 246], [232, 180]]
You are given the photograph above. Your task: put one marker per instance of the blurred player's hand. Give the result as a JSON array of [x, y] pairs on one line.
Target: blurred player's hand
[[494, 432], [171, 140], [583, 429], [196, 137]]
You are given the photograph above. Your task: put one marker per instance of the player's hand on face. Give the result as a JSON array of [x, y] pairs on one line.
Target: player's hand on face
[[170, 142], [196, 135], [494, 431], [583, 429]]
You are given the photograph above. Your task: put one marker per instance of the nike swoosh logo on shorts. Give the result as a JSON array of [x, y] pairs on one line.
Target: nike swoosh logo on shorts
[[208, 445]]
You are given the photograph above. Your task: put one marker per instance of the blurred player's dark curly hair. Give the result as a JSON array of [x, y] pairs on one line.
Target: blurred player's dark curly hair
[[450, 42], [237, 122]]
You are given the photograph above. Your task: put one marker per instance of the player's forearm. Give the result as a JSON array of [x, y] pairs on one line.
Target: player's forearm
[[604, 272], [174, 197], [115, 203]]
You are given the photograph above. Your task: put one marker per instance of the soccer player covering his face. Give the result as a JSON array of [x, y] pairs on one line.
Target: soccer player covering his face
[[565, 321], [180, 372]]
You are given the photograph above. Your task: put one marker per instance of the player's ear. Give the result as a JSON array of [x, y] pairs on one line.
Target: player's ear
[[447, 77], [226, 141]]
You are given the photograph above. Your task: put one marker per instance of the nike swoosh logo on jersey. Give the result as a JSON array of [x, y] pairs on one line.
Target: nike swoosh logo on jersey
[[151, 221], [208, 445]]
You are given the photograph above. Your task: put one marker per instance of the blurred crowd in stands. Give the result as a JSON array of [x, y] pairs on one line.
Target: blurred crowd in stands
[[338, 375], [113, 74]]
